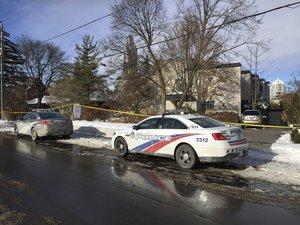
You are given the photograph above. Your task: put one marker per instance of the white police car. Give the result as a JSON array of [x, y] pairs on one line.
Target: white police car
[[187, 138]]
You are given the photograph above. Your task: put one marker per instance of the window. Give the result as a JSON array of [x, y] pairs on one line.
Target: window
[[148, 124], [206, 122], [209, 104], [29, 116], [32, 116], [179, 85], [251, 113], [26, 117], [50, 115], [169, 123]]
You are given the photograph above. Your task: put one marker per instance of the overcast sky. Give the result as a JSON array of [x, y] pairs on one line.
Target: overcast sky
[[44, 19]]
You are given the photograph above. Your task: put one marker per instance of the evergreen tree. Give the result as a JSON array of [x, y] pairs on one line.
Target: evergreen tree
[[136, 92], [86, 70], [14, 80], [292, 100]]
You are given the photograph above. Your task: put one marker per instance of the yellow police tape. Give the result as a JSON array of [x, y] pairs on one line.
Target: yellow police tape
[[115, 111], [262, 125], [14, 112], [146, 115]]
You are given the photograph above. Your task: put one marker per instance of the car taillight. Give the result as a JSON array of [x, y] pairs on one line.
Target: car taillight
[[220, 136], [45, 123]]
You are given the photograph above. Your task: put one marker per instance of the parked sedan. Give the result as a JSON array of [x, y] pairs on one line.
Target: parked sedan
[[43, 123], [187, 138], [252, 117]]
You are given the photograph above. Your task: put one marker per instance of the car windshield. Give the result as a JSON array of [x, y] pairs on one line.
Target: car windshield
[[206, 122], [251, 113], [50, 115]]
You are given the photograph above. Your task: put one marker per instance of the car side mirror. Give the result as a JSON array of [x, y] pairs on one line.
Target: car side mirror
[[135, 127]]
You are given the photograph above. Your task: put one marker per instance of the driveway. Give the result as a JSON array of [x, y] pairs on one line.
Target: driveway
[[262, 139]]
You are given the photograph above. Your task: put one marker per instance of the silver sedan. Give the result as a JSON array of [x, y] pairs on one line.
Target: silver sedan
[[44, 123]]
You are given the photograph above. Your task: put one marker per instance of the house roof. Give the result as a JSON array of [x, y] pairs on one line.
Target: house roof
[[47, 99]]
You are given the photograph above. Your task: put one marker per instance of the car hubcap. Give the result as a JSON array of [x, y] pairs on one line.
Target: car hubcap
[[33, 134], [185, 157], [121, 147]]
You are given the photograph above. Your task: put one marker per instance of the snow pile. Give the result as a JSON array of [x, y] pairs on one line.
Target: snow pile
[[286, 150], [98, 128], [280, 165]]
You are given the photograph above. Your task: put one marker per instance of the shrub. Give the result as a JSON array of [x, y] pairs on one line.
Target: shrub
[[224, 116], [295, 135]]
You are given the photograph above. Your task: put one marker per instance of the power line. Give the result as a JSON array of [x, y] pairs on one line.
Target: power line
[[77, 28], [88, 23], [290, 6]]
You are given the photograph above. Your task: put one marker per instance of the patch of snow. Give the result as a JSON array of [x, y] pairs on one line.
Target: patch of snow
[[286, 150]]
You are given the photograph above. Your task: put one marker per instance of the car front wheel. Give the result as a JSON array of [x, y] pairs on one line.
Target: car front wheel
[[186, 156], [34, 135], [121, 147]]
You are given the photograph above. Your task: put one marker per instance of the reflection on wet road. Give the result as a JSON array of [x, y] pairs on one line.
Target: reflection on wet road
[[72, 189]]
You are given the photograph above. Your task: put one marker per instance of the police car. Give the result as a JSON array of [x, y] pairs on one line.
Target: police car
[[189, 139]]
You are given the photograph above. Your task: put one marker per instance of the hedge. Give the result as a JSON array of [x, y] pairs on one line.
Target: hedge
[[295, 135]]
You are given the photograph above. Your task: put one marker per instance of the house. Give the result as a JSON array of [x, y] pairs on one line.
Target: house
[[218, 88]]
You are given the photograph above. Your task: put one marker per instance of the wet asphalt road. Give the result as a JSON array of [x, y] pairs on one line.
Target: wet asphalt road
[[43, 185]]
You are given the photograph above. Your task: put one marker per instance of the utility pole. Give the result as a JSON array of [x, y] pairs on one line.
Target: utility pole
[[1, 65], [256, 79]]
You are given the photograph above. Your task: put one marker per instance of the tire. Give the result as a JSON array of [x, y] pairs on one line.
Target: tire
[[16, 131], [121, 147], [186, 157], [67, 137], [34, 135]]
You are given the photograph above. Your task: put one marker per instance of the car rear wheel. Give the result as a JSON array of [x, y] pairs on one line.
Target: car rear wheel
[[34, 135], [16, 131], [67, 137], [121, 147], [186, 156]]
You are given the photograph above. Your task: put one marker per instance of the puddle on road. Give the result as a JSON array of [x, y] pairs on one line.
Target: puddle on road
[[218, 208], [199, 201]]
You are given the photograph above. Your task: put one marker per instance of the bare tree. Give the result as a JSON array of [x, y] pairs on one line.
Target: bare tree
[[255, 56], [294, 83], [205, 38], [145, 21], [42, 63]]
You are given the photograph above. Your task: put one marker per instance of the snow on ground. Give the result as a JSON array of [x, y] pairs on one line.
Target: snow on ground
[[280, 165], [90, 134], [5, 126]]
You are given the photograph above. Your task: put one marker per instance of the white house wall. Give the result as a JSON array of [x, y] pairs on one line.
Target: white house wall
[[224, 88], [227, 93]]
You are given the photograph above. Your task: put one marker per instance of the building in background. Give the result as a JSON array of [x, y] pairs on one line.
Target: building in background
[[255, 91], [228, 89], [278, 90]]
